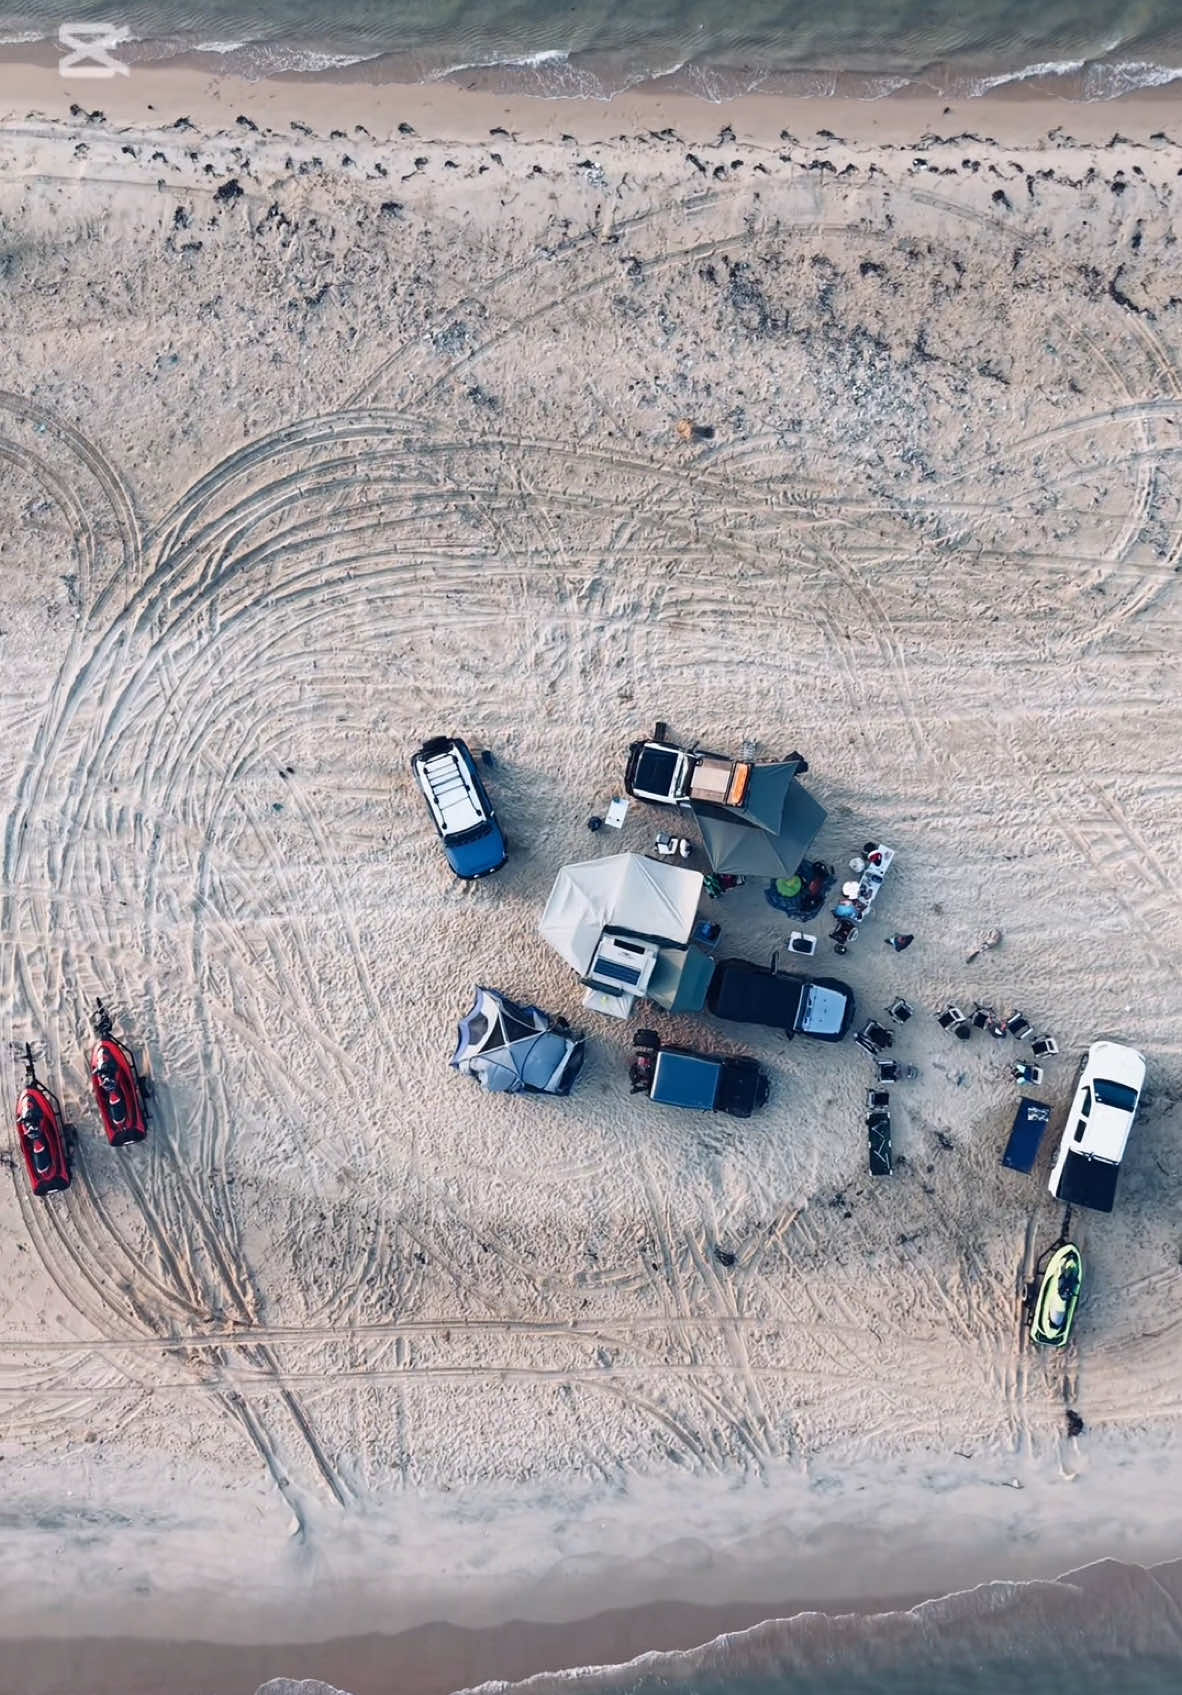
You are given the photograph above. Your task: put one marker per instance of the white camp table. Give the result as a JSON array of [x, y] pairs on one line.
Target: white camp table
[[871, 882]]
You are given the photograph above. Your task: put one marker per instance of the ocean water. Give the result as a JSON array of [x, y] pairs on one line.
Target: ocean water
[[1107, 1629], [1089, 49], [1110, 1628]]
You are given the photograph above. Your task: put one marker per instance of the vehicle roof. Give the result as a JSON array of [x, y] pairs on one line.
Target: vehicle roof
[[654, 766], [752, 994], [685, 1079], [1106, 1132], [449, 782], [1106, 1128]]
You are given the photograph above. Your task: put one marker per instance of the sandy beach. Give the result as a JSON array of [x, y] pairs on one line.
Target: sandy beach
[[341, 414]]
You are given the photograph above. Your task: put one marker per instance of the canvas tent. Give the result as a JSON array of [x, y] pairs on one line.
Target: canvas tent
[[624, 923], [770, 834], [624, 893], [510, 1049]]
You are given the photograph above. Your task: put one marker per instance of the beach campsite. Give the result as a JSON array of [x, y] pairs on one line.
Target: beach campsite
[[321, 451]]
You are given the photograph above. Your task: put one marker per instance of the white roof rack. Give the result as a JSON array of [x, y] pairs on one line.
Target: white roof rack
[[450, 794]]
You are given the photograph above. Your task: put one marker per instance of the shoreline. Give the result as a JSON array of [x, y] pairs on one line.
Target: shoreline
[[675, 1643], [466, 108], [1110, 73], [437, 1657], [834, 1537]]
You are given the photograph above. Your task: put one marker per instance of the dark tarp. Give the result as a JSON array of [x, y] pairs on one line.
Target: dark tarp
[[743, 850]]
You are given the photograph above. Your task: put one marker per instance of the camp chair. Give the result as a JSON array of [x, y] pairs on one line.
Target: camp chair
[[1018, 1026], [1024, 1073], [877, 1098], [900, 1010], [869, 1039], [951, 1015], [984, 1017], [1044, 1045]]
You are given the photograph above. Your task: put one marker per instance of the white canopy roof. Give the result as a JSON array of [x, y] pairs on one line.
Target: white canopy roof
[[645, 897]]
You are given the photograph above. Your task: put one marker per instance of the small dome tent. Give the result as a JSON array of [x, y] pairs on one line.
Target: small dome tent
[[511, 1049]]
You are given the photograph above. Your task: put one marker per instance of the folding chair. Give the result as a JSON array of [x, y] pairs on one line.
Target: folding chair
[[863, 1041], [878, 1034], [877, 1098], [1018, 1026], [983, 1017], [1024, 1073], [888, 1070], [900, 1010], [1044, 1045], [951, 1015]]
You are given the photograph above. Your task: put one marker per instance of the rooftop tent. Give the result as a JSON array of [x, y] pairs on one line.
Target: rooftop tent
[[624, 892], [509, 1048]]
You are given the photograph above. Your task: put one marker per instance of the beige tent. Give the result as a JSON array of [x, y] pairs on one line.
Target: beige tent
[[624, 923]]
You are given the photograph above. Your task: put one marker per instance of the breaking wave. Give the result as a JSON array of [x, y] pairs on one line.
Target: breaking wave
[[1107, 1629]]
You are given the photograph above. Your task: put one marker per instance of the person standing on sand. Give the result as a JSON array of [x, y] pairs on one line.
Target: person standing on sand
[[899, 942]]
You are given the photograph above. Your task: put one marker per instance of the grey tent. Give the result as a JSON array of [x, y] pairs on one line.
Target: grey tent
[[774, 798], [770, 834], [624, 893], [511, 1049]]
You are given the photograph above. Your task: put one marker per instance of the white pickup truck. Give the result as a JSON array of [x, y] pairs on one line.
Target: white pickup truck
[[1107, 1094]]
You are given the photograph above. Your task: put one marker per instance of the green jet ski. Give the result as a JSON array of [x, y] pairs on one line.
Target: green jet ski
[[1058, 1297]]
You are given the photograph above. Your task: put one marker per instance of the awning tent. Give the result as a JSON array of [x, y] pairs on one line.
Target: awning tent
[[771, 834], [770, 795], [509, 1048], [624, 892]]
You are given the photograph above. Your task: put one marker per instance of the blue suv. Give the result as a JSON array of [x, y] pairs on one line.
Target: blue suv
[[459, 806]]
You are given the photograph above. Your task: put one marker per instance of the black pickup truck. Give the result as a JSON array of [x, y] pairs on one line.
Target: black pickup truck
[[703, 1082]]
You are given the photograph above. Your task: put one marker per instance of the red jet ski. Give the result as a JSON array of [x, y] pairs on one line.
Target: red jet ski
[[118, 1087], [41, 1133]]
